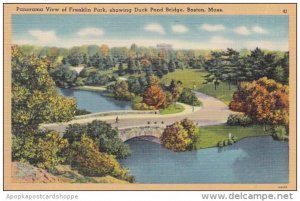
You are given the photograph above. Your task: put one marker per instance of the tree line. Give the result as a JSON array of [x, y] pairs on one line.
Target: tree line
[[90, 149], [230, 67]]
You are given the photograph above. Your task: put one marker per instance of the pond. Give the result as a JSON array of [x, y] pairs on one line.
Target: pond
[[94, 101], [251, 160]]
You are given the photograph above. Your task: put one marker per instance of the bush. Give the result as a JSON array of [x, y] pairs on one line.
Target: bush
[[137, 104], [180, 136], [142, 106], [81, 112], [189, 97], [85, 157], [234, 139], [45, 149], [121, 91], [227, 142], [239, 120], [102, 133], [279, 133], [221, 144], [230, 141]]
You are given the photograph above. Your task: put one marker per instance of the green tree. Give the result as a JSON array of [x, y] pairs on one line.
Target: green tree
[[64, 76], [75, 56], [102, 133], [121, 90], [175, 88], [121, 70], [231, 63], [45, 149], [35, 98], [171, 66], [214, 66], [189, 97]]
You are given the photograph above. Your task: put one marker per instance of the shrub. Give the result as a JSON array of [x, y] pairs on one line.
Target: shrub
[[81, 112], [102, 133], [85, 157], [234, 139], [174, 137], [221, 144], [142, 106], [137, 104], [121, 91], [239, 120], [189, 97], [180, 136], [280, 133], [230, 141], [45, 149]]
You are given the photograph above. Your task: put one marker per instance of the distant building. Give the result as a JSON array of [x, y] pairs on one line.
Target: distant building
[[164, 46]]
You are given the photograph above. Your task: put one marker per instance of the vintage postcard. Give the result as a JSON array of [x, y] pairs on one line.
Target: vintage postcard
[[150, 97]]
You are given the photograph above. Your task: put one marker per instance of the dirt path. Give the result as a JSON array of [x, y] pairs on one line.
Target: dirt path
[[213, 111]]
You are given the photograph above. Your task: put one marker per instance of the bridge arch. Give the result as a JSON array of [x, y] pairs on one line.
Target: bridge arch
[[133, 132]]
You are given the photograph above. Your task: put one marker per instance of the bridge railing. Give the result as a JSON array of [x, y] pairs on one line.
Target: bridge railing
[[117, 112]]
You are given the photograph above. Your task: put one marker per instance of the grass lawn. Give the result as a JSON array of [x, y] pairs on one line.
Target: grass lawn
[[211, 135], [189, 77], [172, 109], [222, 93]]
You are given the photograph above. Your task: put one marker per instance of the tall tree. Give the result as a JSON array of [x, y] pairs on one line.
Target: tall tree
[[35, 98], [214, 66], [75, 56], [171, 66], [231, 63]]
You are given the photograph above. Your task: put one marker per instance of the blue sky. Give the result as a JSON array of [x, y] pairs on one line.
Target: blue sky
[[182, 31]]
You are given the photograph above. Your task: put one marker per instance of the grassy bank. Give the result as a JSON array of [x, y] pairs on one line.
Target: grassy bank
[[65, 173], [90, 88], [210, 136], [194, 79], [172, 109]]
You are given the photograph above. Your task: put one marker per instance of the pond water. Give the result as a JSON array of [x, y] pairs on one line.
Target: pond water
[[94, 101], [251, 160]]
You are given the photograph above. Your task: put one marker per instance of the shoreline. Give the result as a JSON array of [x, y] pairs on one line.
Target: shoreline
[[156, 140], [90, 88]]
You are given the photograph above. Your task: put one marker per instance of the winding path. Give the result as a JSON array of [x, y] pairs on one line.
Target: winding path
[[212, 112]]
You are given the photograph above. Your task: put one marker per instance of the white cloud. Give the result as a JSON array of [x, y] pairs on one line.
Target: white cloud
[[179, 28], [156, 28], [258, 29], [93, 32], [43, 36], [215, 42], [242, 30], [213, 27]]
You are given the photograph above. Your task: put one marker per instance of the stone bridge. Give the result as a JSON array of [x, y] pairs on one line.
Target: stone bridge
[[133, 132]]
